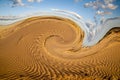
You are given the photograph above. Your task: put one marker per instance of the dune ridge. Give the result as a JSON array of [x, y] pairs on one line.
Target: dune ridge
[[50, 48]]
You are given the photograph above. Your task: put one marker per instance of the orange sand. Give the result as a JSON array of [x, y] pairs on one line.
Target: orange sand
[[49, 48]]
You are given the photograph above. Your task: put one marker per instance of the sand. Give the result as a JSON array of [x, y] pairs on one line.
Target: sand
[[50, 48]]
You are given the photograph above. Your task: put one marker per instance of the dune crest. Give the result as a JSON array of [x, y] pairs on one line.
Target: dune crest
[[45, 48]]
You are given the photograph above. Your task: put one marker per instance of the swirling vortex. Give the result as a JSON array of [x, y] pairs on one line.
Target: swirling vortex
[[45, 48]]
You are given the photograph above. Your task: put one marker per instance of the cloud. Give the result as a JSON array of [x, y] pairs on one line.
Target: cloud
[[112, 6], [39, 0], [102, 12], [109, 4], [30, 0], [9, 17], [106, 4], [102, 8], [108, 1], [17, 3], [94, 4], [34, 0], [87, 5]]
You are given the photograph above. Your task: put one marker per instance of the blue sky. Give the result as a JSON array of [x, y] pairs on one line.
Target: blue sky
[[9, 7]]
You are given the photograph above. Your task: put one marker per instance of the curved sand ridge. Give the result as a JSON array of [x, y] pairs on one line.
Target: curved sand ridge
[[45, 48]]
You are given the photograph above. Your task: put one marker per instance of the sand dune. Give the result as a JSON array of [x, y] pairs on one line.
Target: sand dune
[[50, 48]]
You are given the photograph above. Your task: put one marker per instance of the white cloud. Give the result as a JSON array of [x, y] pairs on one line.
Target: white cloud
[[39, 0], [108, 1], [9, 17], [102, 8], [106, 4], [103, 12], [101, 5], [30, 0], [112, 6], [20, 2], [109, 4], [94, 4], [17, 3], [34, 0], [87, 5]]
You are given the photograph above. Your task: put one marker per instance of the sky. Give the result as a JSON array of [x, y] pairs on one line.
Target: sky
[[88, 9]]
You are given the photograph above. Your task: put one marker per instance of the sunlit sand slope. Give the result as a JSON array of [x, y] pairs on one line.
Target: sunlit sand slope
[[50, 48]]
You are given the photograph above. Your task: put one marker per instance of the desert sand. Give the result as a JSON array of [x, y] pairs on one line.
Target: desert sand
[[50, 48]]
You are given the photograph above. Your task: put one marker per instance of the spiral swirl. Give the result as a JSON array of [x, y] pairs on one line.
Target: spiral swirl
[[50, 48]]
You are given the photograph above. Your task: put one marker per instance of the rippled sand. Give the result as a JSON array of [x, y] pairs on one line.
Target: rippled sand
[[50, 48]]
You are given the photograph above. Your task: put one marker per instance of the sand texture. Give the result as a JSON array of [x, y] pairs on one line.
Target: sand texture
[[50, 48]]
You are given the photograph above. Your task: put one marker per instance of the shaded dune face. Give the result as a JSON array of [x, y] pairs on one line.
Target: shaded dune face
[[45, 48]]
